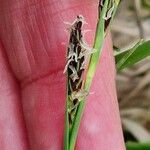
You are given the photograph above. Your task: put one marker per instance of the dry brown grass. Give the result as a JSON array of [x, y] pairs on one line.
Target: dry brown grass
[[133, 84]]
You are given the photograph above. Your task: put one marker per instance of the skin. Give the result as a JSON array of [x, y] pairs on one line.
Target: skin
[[32, 84]]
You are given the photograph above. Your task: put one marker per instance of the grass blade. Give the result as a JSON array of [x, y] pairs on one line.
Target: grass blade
[[131, 56]]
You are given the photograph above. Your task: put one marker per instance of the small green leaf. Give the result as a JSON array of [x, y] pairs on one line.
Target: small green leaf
[[137, 146], [131, 56]]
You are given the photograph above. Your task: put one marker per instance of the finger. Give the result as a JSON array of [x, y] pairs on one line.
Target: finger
[[12, 129], [32, 33]]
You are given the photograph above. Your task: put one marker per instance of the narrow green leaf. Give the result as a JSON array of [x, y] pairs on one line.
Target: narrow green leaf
[[137, 146], [131, 56]]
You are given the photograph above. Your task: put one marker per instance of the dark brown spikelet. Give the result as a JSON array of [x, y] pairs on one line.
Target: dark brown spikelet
[[76, 61], [75, 65]]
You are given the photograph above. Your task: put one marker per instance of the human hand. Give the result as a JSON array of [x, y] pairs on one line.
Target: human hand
[[32, 83]]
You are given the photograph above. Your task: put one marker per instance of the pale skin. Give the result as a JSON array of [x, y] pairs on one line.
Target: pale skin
[[32, 84]]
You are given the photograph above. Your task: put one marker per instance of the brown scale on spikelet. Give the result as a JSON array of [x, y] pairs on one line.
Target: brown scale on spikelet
[[77, 54]]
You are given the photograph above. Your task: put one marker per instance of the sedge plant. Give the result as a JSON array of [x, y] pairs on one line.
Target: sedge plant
[[81, 66]]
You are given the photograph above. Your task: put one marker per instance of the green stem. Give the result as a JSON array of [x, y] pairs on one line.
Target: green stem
[[99, 38], [71, 135], [66, 135], [76, 125]]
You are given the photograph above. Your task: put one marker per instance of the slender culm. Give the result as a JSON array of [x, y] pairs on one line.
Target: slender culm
[[78, 80]]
